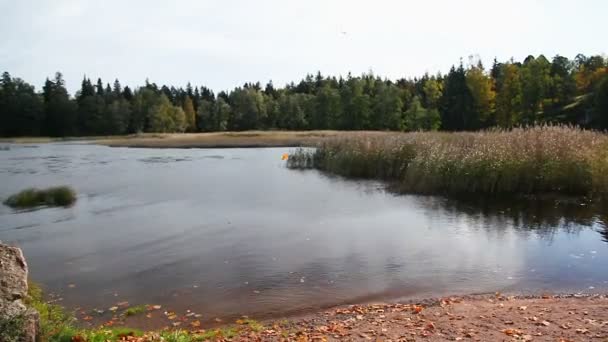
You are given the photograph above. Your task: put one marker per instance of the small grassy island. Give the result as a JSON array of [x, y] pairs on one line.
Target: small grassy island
[[60, 196], [524, 161]]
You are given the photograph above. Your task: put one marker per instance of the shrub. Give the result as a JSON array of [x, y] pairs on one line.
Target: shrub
[[55, 196]]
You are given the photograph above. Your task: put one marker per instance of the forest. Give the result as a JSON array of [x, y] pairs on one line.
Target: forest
[[508, 94]]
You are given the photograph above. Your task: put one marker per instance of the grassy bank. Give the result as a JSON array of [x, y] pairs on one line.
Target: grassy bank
[[60, 196], [229, 139], [482, 317], [563, 160]]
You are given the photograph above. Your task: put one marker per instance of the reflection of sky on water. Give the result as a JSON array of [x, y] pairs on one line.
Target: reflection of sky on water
[[207, 228]]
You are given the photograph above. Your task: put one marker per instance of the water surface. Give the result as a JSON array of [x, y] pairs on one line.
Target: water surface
[[232, 231]]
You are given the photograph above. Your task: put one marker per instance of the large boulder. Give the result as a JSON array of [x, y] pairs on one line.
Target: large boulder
[[13, 291]]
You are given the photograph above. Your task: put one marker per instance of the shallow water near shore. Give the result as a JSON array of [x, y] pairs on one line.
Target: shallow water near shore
[[227, 232]]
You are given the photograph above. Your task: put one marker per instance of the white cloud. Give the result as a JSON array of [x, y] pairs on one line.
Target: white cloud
[[226, 43]]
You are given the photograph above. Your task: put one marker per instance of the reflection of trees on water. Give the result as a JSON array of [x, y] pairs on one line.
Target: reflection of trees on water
[[543, 217]]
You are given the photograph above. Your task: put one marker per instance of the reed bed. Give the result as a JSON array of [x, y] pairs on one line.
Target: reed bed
[[545, 159]]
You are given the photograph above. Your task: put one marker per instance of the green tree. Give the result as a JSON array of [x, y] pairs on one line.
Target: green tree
[[418, 118], [328, 112], [248, 108], [432, 89], [222, 112], [293, 109], [563, 86], [143, 102], [166, 118], [509, 99], [60, 111], [21, 109], [206, 120], [600, 110], [92, 115], [118, 117], [387, 108], [535, 83], [482, 90]]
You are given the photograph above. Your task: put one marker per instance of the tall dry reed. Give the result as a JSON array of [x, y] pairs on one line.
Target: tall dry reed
[[545, 159]]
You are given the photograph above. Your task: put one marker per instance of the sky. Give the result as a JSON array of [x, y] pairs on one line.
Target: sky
[[223, 44]]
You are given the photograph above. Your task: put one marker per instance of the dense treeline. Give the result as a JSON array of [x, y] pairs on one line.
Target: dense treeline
[[467, 98]]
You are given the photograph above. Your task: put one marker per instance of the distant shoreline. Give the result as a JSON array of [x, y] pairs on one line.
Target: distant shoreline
[[241, 139]]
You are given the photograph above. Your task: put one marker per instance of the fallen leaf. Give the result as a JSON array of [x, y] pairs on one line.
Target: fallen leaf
[[176, 324], [156, 307], [114, 308], [523, 308], [511, 332], [87, 318], [149, 315], [195, 324]]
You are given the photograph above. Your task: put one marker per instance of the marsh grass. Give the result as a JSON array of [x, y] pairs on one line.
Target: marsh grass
[[60, 196], [135, 310], [548, 159]]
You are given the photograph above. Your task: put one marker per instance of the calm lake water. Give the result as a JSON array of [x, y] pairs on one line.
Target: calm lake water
[[232, 231]]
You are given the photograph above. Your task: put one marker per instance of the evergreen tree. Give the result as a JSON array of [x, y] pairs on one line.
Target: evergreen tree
[[206, 119], [600, 110], [457, 112], [99, 87], [60, 111]]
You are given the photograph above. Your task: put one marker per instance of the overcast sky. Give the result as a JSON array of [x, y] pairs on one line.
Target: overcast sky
[[225, 43]]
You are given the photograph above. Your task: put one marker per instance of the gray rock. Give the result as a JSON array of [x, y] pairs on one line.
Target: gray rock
[[13, 291]]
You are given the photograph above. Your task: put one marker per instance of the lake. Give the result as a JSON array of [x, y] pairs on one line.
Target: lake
[[233, 231]]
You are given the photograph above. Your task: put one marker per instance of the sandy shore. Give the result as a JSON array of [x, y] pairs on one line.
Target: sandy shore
[[229, 139], [469, 318]]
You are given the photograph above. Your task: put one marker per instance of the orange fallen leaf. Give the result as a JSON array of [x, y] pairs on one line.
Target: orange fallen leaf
[[87, 318], [511, 332], [417, 309], [195, 324]]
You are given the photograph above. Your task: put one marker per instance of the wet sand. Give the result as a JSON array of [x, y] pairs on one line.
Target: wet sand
[[469, 318]]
